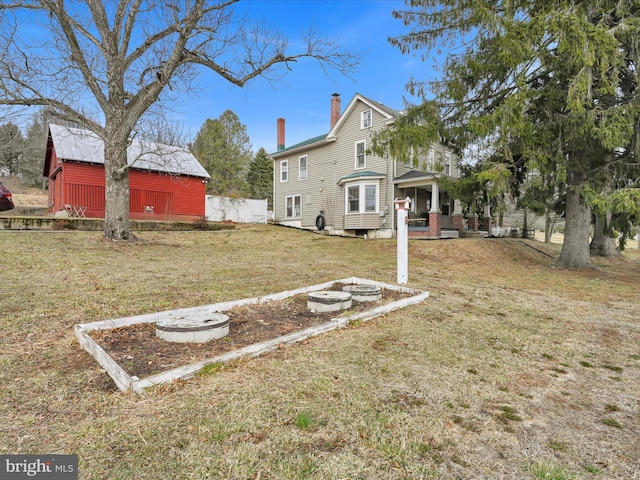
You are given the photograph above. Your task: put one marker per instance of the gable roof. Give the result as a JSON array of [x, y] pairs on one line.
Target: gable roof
[[76, 144], [389, 113], [414, 175]]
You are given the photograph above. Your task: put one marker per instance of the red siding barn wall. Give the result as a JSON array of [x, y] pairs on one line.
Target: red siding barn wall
[[56, 184], [55, 192], [153, 196], [84, 186], [169, 195]]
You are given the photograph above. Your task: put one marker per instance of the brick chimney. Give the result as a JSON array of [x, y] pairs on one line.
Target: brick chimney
[[335, 108], [280, 134]]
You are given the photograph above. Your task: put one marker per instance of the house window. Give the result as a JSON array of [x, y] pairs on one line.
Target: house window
[[365, 119], [284, 170], [370, 198], [447, 163], [362, 198], [303, 172], [293, 206], [361, 154]]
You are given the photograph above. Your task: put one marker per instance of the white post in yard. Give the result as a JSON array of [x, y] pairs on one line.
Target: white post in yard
[[402, 207]]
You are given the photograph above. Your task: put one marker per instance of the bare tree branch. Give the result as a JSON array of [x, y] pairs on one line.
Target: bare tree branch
[[111, 66]]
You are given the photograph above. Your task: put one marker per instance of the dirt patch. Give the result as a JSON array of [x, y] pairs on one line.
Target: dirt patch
[[137, 349], [26, 196]]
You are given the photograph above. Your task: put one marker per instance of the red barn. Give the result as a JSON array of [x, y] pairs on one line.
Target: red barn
[[165, 182]]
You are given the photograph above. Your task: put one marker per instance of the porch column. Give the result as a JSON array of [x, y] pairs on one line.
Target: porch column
[[486, 219], [473, 222], [434, 213], [457, 219]]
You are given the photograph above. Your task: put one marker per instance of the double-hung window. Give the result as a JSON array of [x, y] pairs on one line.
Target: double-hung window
[[361, 154], [370, 198], [353, 199], [303, 171], [284, 170], [362, 198], [447, 163], [365, 119], [293, 206]]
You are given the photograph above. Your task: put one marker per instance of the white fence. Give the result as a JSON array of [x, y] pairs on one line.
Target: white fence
[[239, 210]]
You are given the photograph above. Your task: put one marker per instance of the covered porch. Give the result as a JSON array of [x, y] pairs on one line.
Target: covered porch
[[434, 213]]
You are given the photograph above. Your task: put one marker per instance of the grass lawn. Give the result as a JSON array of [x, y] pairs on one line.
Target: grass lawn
[[511, 369]]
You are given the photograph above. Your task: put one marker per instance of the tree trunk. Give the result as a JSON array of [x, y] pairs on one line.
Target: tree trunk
[[548, 227], [117, 225], [603, 245], [575, 249]]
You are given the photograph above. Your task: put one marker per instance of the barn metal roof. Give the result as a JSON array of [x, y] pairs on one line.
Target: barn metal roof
[[81, 145]]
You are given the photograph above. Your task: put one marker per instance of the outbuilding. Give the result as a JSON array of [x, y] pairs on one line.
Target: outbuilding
[[165, 182]]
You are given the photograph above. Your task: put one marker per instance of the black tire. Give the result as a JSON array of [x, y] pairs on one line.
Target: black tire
[[320, 222]]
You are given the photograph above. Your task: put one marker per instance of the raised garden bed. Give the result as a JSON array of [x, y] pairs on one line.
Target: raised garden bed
[[128, 349]]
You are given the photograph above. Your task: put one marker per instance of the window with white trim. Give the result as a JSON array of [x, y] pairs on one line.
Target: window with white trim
[[370, 198], [303, 169], [293, 206], [447, 163], [361, 154], [362, 198], [353, 199], [366, 119], [284, 170]]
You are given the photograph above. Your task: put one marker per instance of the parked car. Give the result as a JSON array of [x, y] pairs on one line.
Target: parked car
[[6, 203]]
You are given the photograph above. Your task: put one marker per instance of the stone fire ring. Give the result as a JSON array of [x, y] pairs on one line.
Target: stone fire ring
[[199, 327], [328, 301], [364, 293]]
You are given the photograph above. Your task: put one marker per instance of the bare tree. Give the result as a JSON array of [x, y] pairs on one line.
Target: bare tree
[[108, 66]]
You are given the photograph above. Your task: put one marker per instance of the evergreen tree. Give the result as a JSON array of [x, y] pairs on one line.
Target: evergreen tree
[[555, 82], [34, 152], [11, 148], [222, 147], [260, 176]]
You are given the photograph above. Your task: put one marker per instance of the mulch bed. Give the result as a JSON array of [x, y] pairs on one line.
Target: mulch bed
[[139, 352]]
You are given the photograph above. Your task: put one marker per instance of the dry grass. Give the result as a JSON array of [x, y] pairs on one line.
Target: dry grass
[[25, 196], [512, 369]]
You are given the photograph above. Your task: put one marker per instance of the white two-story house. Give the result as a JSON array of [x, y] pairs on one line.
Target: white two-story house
[[332, 182]]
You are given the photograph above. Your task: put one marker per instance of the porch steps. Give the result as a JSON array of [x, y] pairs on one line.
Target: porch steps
[[472, 234]]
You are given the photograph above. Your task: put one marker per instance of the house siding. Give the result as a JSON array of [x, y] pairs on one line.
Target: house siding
[[349, 134], [333, 159], [327, 165], [317, 191], [423, 163]]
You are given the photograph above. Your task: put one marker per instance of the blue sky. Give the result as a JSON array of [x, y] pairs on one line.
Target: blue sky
[[303, 96]]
